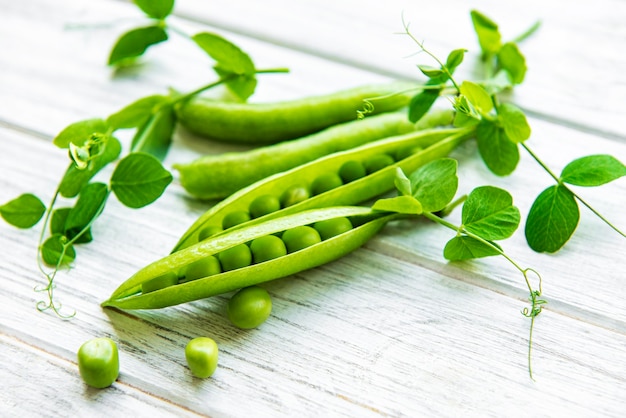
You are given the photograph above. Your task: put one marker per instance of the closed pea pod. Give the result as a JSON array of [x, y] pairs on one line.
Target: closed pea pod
[[269, 123], [129, 296], [434, 143]]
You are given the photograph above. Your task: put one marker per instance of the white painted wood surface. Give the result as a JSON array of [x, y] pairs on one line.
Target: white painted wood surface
[[390, 330]]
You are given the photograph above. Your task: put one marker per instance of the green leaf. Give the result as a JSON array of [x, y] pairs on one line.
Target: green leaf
[[421, 103], [511, 59], [155, 135], [24, 211], [552, 219], [157, 9], [465, 113], [431, 72], [455, 58], [478, 96], [135, 42], [57, 226], [74, 179], [487, 31], [514, 123], [489, 213], [137, 113], [88, 207], [498, 83], [228, 56], [434, 184], [499, 153], [242, 86], [399, 204], [593, 170], [79, 133], [139, 179], [52, 251], [466, 248]]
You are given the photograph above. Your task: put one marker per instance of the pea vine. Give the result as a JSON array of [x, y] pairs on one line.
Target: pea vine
[[138, 178]]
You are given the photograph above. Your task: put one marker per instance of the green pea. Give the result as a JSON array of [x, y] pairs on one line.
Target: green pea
[[201, 354], [204, 267], [249, 307], [98, 362], [300, 237], [294, 194], [235, 257], [267, 248], [208, 231], [332, 227], [403, 153], [325, 182], [263, 205], [351, 170], [235, 218], [378, 162], [161, 282]]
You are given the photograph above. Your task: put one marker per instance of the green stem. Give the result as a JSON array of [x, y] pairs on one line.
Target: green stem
[[451, 206], [541, 163], [527, 33]]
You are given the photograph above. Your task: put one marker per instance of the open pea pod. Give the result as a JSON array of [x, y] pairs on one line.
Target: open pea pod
[[431, 144], [129, 295]]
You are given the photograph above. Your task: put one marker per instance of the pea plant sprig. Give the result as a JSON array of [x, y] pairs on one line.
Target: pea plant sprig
[[138, 179], [488, 215], [502, 128]]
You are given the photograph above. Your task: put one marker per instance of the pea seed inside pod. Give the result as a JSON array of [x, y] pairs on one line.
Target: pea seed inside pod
[[263, 205], [352, 170], [204, 267], [161, 282], [293, 195], [208, 231], [267, 248], [235, 218], [235, 257], [378, 162], [300, 237], [332, 227], [325, 182]]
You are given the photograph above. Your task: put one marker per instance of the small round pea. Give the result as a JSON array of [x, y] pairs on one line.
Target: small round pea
[[378, 162], [235, 218], [249, 307], [235, 257], [98, 362], [201, 354], [204, 267], [406, 152], [267, 248], [332, 227], [208, 231], [168, 279], [294, 194], [300, 237], [325, 182], [263, 205], [351, 170]]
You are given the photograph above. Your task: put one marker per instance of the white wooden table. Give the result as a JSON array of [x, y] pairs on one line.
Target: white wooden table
[[390, 330]]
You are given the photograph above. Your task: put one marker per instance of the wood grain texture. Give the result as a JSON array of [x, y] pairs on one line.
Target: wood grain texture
[[390, 330]]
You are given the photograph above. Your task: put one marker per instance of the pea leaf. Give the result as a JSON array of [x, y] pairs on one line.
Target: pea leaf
[[155, 135], [466, 114], [52, 251], [74, 179], [157, 9], [242, 86], [135, 42], [136, 113], [421, 103], [399, 204], [513, 62], [434, 184], [489, 37], [24, 211], [552, 219], [489, 213], [499, 153], [466, 248], [593, 170], [431, 72], [455, 58], [514, 122], [139, 179], [478, 96], [78, 133], [57, 226], [88, 207]]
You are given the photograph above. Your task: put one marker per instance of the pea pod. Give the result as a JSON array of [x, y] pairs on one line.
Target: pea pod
[[129, 295], [269, 123], [217, 176], [436, 143]]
